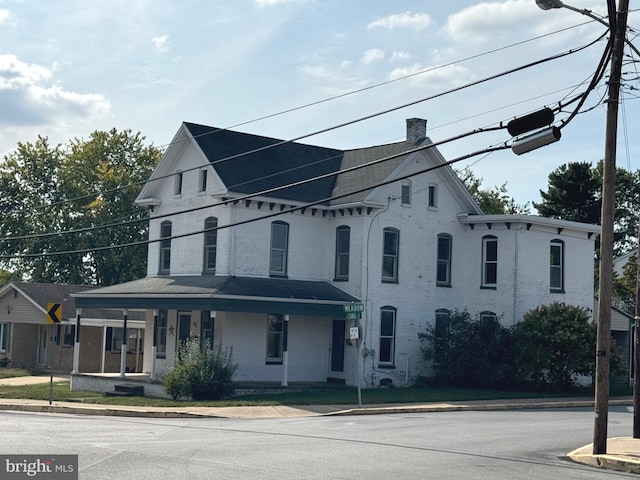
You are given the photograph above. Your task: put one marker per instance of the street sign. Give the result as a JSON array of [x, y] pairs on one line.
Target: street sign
[[354, 333], [353, 311], [54, 313]]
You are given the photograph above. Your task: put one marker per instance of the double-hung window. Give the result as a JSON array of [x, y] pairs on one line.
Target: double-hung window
[[489, 261], [210, 244], [405, 193], [177, 184], [443, 269], [279, 249], [390, 250], [202, 180], [165, 247], [386, 355], [556, 266], [161, 334], [5, 337], [343, 234], [275, 338]]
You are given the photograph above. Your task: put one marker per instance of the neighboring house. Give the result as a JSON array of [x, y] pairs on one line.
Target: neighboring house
[[237, 259], [622, 333], [29, 340]]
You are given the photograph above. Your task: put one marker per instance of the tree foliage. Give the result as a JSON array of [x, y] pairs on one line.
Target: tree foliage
[[47, 190], [494, 200], [575, 193], [201, 372]]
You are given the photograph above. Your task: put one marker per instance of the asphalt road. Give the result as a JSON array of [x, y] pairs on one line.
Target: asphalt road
[[523, 444]]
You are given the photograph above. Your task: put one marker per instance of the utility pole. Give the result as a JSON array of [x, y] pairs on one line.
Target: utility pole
[[603, 341], [636, 344]]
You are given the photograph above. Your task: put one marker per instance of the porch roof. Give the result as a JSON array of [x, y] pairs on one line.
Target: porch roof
[[221, 293]]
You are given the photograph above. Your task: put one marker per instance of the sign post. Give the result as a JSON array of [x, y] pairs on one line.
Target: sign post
[[353, 311]]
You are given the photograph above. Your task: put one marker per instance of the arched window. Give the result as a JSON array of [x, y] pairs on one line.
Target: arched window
[[210, 244], [165, 247], [343, 235]]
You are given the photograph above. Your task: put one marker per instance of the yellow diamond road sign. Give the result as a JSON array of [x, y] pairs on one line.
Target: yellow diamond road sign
[[54, 312]]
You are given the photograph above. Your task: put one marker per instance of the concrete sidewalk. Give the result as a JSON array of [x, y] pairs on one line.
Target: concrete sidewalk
[[623, 454]]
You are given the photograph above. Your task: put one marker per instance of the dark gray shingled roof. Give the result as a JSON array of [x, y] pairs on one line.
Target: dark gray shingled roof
[[267, 168], [228, 293]]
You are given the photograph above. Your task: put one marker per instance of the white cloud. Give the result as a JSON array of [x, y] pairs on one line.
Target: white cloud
[[29, 98], [4, 15], [16, 74], [418, 21], [160, 41], [271, 3], [399, 56], [440, 77], [372, 55]]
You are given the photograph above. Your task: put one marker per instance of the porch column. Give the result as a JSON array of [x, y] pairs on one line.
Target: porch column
[[154, 348], [123, 349], [76, 346], [285, 350]]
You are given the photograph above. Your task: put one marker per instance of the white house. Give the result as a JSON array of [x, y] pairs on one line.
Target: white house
[[259, 244]]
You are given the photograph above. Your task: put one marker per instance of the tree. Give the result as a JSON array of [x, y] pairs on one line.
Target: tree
[[491, 201], [624, 286], [575, 191], [555, 343], [47, 191]]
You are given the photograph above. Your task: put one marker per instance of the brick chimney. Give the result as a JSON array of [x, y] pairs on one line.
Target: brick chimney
[[416, 130]]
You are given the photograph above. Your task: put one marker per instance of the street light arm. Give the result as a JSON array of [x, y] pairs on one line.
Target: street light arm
[[549, 4]]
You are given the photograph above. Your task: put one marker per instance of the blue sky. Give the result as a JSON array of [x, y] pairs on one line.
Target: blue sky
[[70, 67]]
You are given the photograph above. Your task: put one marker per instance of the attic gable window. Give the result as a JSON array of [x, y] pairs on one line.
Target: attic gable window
[[432, 201], [405, 193], [202, 181], [177, 186]]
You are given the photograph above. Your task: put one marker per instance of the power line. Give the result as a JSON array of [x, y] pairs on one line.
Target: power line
[[318, 102], [367, 117]]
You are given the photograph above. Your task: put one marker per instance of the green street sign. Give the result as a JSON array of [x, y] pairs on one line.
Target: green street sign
[[353, 311]]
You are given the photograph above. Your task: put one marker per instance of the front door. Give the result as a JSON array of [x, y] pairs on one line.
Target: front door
[[337, 350], [184, 327], [43, 334]]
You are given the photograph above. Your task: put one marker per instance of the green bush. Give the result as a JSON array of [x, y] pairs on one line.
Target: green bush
[[469, 350], [201, 372]]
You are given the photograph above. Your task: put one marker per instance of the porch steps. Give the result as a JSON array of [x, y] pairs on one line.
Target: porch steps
[[126, 390]]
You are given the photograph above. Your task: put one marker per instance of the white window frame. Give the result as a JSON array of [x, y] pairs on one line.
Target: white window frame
[[177, 184], [556, 266], [444, 262], [405, 193], [489, 263], [342, 254], [210, 244], [275, 339], [387, 344], [5, 337], [202, 180], [279, 253], [390, 254], [432, 196], [166, 230]]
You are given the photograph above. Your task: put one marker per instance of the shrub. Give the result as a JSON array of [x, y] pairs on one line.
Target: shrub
[[469, 350], [201, 372]]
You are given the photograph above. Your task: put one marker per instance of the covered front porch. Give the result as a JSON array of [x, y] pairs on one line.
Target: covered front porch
[[278, 330]]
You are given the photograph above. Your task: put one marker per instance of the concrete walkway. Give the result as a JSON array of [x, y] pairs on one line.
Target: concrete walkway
[[623, 453]]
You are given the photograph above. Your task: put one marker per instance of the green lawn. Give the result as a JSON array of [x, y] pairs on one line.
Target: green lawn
[[332, 395]]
